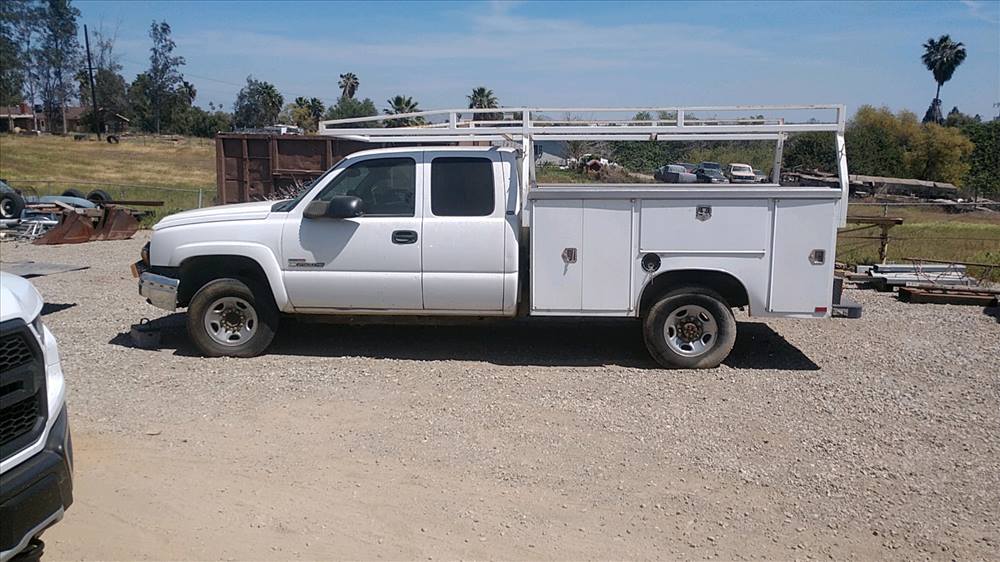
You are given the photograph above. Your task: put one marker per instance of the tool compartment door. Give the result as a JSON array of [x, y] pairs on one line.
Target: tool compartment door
[[799, 283], [581, 252], [556, 280]]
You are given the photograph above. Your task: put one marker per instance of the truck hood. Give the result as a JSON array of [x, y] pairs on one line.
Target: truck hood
[[237, 212], [18, 298]]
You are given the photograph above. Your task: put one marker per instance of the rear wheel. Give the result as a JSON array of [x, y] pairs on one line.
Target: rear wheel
[[690, 328], [227, 317]]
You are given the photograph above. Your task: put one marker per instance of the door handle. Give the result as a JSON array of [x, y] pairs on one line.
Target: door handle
[[404, 236]]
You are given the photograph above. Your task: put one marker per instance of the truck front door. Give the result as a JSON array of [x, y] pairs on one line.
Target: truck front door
[[371, 262]]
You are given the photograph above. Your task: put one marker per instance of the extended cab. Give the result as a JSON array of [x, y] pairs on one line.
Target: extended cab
[[36, 457], [448, 231]]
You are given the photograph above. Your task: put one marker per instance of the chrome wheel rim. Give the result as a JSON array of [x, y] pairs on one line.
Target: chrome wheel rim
[[691, 331], [7, 208], [231, 321]]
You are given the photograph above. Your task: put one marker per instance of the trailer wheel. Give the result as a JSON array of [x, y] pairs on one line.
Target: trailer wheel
[[73, 193], [690, 328], [11, 205], [228, 318], [99, 196]]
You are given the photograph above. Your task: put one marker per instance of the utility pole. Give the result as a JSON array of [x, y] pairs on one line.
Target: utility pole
[[93, 89]]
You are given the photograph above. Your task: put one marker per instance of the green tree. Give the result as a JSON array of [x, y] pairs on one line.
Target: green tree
[[346, 108], [12, 54], [483, 98], [940, 154], [27, 14], [958, 119], [810, 151], [111, 87], [164, 74], [642, 116], [402, 104], [983, 177], [941, 56], [59, 58], [348, 84], [878, 141], [257, 104]]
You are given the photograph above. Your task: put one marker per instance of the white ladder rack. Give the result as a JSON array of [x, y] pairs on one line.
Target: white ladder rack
[[525, 126]]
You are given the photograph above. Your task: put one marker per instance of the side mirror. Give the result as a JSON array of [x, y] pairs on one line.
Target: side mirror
[[339, 207]]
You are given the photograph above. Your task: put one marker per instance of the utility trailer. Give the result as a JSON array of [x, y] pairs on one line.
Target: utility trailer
[[429, 230]]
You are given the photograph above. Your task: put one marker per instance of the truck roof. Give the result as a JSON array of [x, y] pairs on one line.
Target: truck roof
[[397, 149]]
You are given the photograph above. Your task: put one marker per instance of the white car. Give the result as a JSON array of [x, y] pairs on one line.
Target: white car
[[36, 456], [741, 173]]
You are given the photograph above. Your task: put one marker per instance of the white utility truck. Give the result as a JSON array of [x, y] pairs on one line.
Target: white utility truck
[[424, 229], [36, 457]]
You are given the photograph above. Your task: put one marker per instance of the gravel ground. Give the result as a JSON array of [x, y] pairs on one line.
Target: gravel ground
[[871, 438]]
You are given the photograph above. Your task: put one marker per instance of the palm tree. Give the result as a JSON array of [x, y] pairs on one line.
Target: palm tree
[[402, 104], [941, 57], [348, 84], [483, 98]]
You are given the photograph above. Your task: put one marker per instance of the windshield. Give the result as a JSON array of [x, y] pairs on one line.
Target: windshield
[[289, 204], [742, 169]]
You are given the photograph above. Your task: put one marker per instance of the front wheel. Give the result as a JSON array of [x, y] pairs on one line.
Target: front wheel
[[690, 328], [227, 318]]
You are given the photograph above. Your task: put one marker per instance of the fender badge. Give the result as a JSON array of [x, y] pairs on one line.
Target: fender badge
[[703, 213], [301, 262]]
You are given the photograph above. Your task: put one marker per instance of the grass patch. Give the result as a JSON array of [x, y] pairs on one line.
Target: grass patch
[[141, 168]]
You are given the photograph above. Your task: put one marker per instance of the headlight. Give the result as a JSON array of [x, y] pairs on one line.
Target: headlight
[[145, 254], [39, 328]]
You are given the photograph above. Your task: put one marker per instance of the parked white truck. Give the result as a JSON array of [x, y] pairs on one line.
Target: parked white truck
[[465, 231], [36, 456]]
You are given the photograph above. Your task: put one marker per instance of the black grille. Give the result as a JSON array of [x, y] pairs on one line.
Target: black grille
[[18, 419], [23, 402], [14, 352]]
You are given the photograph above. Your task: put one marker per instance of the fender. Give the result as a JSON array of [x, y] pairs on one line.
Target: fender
[[259, 253], [690, 275]]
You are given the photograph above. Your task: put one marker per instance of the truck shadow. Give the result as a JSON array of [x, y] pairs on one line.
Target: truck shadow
[[536, 343]]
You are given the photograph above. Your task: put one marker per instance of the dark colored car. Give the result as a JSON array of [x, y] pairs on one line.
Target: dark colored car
[[710, 166], [710, 175]]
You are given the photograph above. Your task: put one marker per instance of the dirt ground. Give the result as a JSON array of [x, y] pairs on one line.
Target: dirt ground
[[868, 439]]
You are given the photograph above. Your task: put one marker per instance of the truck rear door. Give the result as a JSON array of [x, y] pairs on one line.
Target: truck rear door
[[463, 231]]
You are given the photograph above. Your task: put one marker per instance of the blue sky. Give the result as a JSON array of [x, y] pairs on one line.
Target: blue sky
[[573, 53]]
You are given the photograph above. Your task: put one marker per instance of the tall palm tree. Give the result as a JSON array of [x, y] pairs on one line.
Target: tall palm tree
[[941, 57], [402, 104], [483, 98], [348, 84]]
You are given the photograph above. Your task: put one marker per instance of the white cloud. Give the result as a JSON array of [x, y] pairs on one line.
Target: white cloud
[[981, 10]]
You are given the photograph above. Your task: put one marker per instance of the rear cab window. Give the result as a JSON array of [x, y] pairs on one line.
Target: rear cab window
[[462, 186]]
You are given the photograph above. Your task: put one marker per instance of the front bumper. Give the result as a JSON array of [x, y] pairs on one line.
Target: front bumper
[[159, 290], [36, 493]]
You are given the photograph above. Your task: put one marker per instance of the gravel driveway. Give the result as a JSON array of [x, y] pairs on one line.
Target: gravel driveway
[[872, 438]]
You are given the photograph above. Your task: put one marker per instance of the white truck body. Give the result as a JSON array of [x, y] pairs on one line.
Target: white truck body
[[449, 231], [35, 452]]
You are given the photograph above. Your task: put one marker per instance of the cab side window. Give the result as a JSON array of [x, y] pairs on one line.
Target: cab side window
[[388, 186], [462, 187]]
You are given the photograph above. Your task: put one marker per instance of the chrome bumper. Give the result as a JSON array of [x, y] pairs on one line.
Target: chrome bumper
[[160, 291]]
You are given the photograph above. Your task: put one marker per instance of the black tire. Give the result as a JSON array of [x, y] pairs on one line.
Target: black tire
[[99, 196], [73, 193], [261, 303], [11, 205], [655, 329]]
